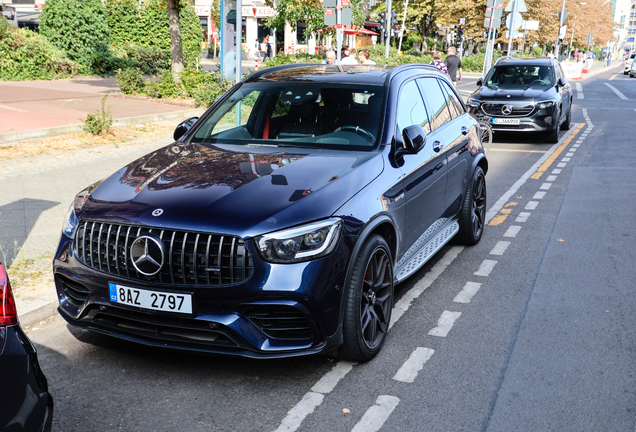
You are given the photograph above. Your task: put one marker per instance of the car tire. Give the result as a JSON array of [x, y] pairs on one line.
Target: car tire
[[568, 120], [368, 301], [553, 135], [472, 218]]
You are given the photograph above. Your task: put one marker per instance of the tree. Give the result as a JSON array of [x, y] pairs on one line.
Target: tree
[[176, 47], [77, 27]]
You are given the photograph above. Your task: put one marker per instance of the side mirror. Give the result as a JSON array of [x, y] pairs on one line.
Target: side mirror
[[414, 139], [562, 82], [479, 82], [183, 127]]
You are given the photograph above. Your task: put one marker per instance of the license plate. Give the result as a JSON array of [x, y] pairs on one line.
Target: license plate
[[505, 121], [152, 300]]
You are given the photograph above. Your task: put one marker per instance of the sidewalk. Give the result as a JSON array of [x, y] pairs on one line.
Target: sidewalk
[[36, 109]]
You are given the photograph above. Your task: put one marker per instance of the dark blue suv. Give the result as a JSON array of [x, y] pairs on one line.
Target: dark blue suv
[[278, 223]]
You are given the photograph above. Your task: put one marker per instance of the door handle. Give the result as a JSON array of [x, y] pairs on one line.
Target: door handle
[[438, 146], [464, 130]]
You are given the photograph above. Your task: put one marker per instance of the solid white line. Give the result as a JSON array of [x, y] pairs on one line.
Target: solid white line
[[297, 414], [531, 205], [408, 372], [500, 248], [615, 90], [539, 195], [467, 293], [13, 109], [374, 418], [405, 302], [545, 186], [445, 323], [512, 231], [327, 383], [523, 217], [485, 268]]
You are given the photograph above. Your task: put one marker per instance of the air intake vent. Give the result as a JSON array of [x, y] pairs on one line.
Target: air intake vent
[[75, 293], [190, 258], [280, 322]]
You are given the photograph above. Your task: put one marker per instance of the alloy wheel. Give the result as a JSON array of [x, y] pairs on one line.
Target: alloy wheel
[[377, 298]]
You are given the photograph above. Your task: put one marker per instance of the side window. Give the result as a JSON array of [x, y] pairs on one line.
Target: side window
[[455, 106], [435, 101], [411, 109]]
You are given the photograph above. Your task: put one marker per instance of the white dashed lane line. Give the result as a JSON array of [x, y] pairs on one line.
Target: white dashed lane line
[[409, 370], [445, 323], [500, 248], [485, 268], [512, 231], [467, 293], [374, 418], [523, 217]]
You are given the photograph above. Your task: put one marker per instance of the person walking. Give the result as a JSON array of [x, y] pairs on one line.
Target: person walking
[[351, 58], [364, 55], [453, 65], [437, 62], [331, 58]]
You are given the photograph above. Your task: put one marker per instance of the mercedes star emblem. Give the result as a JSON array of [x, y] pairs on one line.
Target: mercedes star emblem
[[506, 109], [147, 254], [157, 212]]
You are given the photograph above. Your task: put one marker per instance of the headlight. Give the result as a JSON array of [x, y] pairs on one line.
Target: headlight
[[544, 105], [72, 221], [302, 243]]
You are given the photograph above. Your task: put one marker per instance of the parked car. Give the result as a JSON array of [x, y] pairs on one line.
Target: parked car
[[525, 95], [632, 70], [628, 63], [25, 403], [279, 222], [10, 13]]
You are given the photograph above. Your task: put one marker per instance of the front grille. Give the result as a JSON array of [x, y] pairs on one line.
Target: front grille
[[190, 258], [494, 109], [280, 322]]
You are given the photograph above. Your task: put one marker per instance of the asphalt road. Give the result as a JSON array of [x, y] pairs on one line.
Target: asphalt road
[[530, 330]]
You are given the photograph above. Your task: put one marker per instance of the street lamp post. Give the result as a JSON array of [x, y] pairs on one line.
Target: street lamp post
[[574, 26]]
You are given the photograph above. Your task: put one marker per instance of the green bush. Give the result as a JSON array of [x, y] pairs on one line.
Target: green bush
[[145, 25], [294, 58], [105, 63], [131, 81], [100, 122], [150, 59], [27, 55], [537, 51], [77, 27]]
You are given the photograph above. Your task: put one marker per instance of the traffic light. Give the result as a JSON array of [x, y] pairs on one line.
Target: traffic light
[[382, 21], [460, 31], [394, 21]]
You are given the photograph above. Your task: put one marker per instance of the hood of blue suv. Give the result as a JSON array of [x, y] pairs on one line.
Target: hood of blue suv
[[232, 189]]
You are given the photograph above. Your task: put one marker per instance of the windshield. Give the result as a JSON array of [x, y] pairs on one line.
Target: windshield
[[298, 114], [520, 76]]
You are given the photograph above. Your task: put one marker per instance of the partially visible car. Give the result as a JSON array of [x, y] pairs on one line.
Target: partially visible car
[[524, 95], [10, 13], [25, 402], [632, 70], [628, 63]]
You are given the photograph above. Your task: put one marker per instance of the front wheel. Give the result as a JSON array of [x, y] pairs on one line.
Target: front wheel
[[553, 135], [568, 120], [368, 301], [472, 218]]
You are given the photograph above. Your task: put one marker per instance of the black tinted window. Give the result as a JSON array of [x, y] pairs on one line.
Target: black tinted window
[[411, 109], [456, 107], [435, 101]]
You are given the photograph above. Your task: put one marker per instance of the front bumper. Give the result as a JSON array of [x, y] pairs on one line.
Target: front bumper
[[281, 310], [539, 120]]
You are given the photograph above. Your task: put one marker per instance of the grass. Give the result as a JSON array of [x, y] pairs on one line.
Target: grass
[[31, 272], [81, 140]]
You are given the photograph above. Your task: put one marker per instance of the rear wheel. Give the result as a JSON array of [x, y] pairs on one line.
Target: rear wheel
[[368, 301], [473, 214]]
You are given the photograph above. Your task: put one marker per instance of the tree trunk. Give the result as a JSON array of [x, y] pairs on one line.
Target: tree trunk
[[176, 49]]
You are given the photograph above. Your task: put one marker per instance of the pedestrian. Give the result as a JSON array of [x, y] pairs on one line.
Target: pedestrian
[[268, 47], [437, 62], [351, 58], [551, 54], [453, 65], [331, 58], [364, 55]]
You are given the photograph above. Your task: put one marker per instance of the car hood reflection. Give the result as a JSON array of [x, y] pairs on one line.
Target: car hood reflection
[[231, 188], [514, 93]]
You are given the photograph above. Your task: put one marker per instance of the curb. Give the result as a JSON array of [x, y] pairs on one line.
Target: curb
[[11, 137], [36, 306]]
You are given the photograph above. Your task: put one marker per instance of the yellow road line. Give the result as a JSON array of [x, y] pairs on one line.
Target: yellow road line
[[543, 168], [612, 77], [503, 214]]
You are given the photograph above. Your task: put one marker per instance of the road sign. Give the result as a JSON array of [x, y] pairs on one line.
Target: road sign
[[346, 16], [563, 31], [521, 6], [514, 21], [531, 25], [565, 16], [590, 39], [330, 17]]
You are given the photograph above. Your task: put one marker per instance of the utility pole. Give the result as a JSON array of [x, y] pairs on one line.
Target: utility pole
[[406, 6], [388, 28], [561, 19]]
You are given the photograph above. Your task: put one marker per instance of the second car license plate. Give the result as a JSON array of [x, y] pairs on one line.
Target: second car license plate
[[153, 300], [505, 121]]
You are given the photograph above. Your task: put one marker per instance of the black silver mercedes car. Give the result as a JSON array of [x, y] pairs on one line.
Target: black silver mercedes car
[[524, 95], [278, 223]]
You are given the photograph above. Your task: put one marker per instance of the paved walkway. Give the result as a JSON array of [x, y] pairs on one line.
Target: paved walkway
[[33, 109]]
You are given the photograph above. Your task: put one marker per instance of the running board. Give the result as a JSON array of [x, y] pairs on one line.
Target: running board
[[426, 252]]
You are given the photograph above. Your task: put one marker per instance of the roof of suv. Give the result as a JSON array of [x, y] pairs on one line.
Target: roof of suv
[[540, 61], [312, 72]]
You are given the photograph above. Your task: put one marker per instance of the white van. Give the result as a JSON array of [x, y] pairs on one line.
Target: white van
[[10, 13]]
